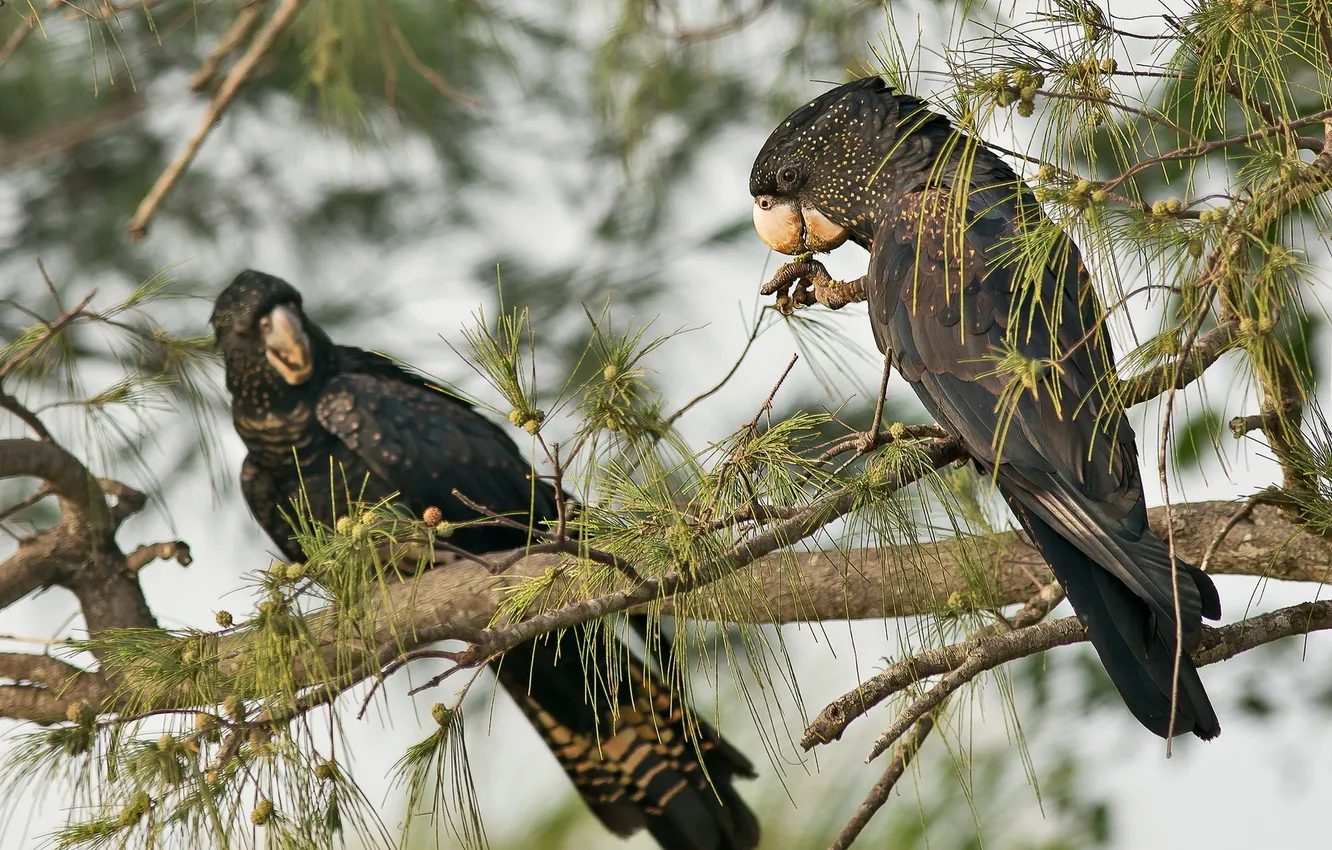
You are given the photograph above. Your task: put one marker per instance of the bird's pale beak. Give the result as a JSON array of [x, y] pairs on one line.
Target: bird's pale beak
[[790, 230], [287, 346], [821, 234]]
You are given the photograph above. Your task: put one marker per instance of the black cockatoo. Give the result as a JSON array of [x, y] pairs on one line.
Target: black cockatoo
[[308, 408], [1004, 345]]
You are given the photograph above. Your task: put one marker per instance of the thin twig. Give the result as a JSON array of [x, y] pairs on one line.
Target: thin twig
[[870, 438], [231, 86], [1321, 15], [755, 513], [878, 795], [732, 463], [52, 328], [249, 16], [1141, 113], [561, 504], [1195, 151], [465, 555], [932, 699], [14, 406], [570, 547], [904, 432], [30, 23], [396, 665], [727, 27], [50, 286], [436, 680], [735, 367], [427, 73], [1162, 467], [554, 544], [766, 407], [492, 517], [1240, 515], [174, 550], [833, 720], [464, 661], [1267, 112]]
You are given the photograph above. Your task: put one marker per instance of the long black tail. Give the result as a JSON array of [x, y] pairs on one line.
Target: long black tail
[[635, 766], [1136, 646]]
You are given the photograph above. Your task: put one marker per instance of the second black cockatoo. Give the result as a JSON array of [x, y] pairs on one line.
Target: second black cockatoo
[[307, 409], [1004, 344]]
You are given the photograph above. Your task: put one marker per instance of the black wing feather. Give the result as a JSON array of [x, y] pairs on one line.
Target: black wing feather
[[426, 444], [944, 300], [634, 764]]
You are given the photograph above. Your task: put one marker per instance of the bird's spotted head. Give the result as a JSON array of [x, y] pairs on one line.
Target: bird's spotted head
[[814, 181], [262, 331]]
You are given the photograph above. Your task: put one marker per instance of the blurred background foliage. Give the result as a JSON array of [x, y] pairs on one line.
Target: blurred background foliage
[[406, 161]]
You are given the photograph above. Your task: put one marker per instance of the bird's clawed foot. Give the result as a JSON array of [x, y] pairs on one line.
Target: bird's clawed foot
[[812, 285]]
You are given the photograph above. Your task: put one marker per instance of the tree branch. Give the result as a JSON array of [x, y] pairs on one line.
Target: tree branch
[[21, 32], [458, 600], [1195, 151], [1267, 112], [33, 704], [231, 86], [1284, 391], [1185, 369], [173, 550], [246, 20], [81, 552], [79, 493], [975, 657], [878, 795], [44, 687]]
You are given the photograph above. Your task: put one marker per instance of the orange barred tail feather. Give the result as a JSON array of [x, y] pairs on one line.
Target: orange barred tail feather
[[637, 765]]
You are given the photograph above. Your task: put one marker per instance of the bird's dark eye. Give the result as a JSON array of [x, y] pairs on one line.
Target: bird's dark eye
[[788, 176]]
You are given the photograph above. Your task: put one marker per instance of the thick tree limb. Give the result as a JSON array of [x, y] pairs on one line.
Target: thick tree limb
[[44, 687], [80, 553], [32, 704], [78, 491], [459, 600]]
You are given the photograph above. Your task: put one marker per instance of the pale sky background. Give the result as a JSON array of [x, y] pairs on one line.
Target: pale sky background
[[1261, 784]]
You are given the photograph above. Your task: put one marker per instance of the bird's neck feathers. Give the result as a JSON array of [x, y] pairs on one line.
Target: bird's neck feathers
[[921, 149], [257, 389]]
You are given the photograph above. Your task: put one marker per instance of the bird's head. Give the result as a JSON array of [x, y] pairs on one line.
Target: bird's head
[[262, 331], [818, 178]]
